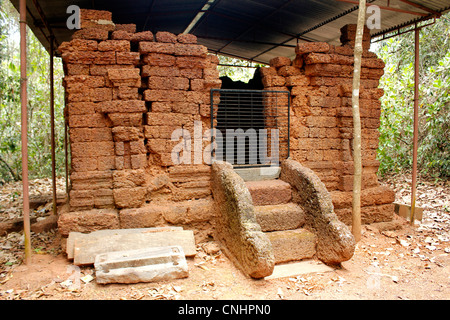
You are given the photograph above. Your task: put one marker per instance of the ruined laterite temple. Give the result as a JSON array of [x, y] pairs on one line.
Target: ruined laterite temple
[[126, 93]]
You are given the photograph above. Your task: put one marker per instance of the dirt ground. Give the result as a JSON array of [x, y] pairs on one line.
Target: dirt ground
[[409, 263]]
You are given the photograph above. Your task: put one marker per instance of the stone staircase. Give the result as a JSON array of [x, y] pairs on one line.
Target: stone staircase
[[264, 217], [282, 220]]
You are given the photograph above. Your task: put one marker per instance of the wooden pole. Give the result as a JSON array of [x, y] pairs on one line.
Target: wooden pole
[[24, 129], [357, 163], [416, 123], [52, 125]]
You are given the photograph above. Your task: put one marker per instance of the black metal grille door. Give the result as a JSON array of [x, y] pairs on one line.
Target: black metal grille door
[[252, 126]]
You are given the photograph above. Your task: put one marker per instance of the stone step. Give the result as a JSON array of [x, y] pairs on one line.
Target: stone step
[[258, 174], [279, 217], [269, 192], [292, 245]]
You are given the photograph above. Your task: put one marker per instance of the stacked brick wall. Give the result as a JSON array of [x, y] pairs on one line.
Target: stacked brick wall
[[178, 75], [320, 81], [126, 92]]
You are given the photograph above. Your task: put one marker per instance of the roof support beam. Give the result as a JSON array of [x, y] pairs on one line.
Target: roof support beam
[[419, 6], [44, 21], [390, 8], [247, 41], [298, 36], [199, 15], [236, 57], [383, 36], [404, 25]]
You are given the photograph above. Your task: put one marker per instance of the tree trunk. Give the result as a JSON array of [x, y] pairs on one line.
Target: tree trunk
[[356, 203]]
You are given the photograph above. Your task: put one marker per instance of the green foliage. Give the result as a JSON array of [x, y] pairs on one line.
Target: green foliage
[[237, 69], [38, 102], [396, 130]]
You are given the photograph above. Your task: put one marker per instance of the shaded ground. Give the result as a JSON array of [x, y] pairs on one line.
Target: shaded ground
[[410, 263]]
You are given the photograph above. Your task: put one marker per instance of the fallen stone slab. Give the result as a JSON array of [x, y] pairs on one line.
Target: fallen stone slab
[[49, 223], [404, 210], [144, 265], [73, 236], [42, 199], [85, 249], [14, 225]]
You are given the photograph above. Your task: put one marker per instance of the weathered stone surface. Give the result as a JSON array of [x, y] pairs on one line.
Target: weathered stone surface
[[125, 119], [186, 38], [79, 45], [73, 236], [86, 248], [178, 213], [121, 35], [236, 225], [128, 178], [125, 77], [143, 265], [191, 211], [376, 204], [280, 217], [88, 14], [335, 241], [127, 133], [269, 192], [191, 50], [312, 47], [371, 196], [142, 36], [114, 45], [164, 36], [91, 34], [145, 217], [129, 197], [280, 62], [129, 27], [369, 214], [156, 47], [87, 221], [291, 245], [122, 106]]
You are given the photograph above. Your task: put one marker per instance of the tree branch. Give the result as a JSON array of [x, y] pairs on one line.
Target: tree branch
[[11, 171]]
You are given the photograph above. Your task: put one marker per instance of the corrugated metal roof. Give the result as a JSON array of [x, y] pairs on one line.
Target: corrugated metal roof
[[251, 29]]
